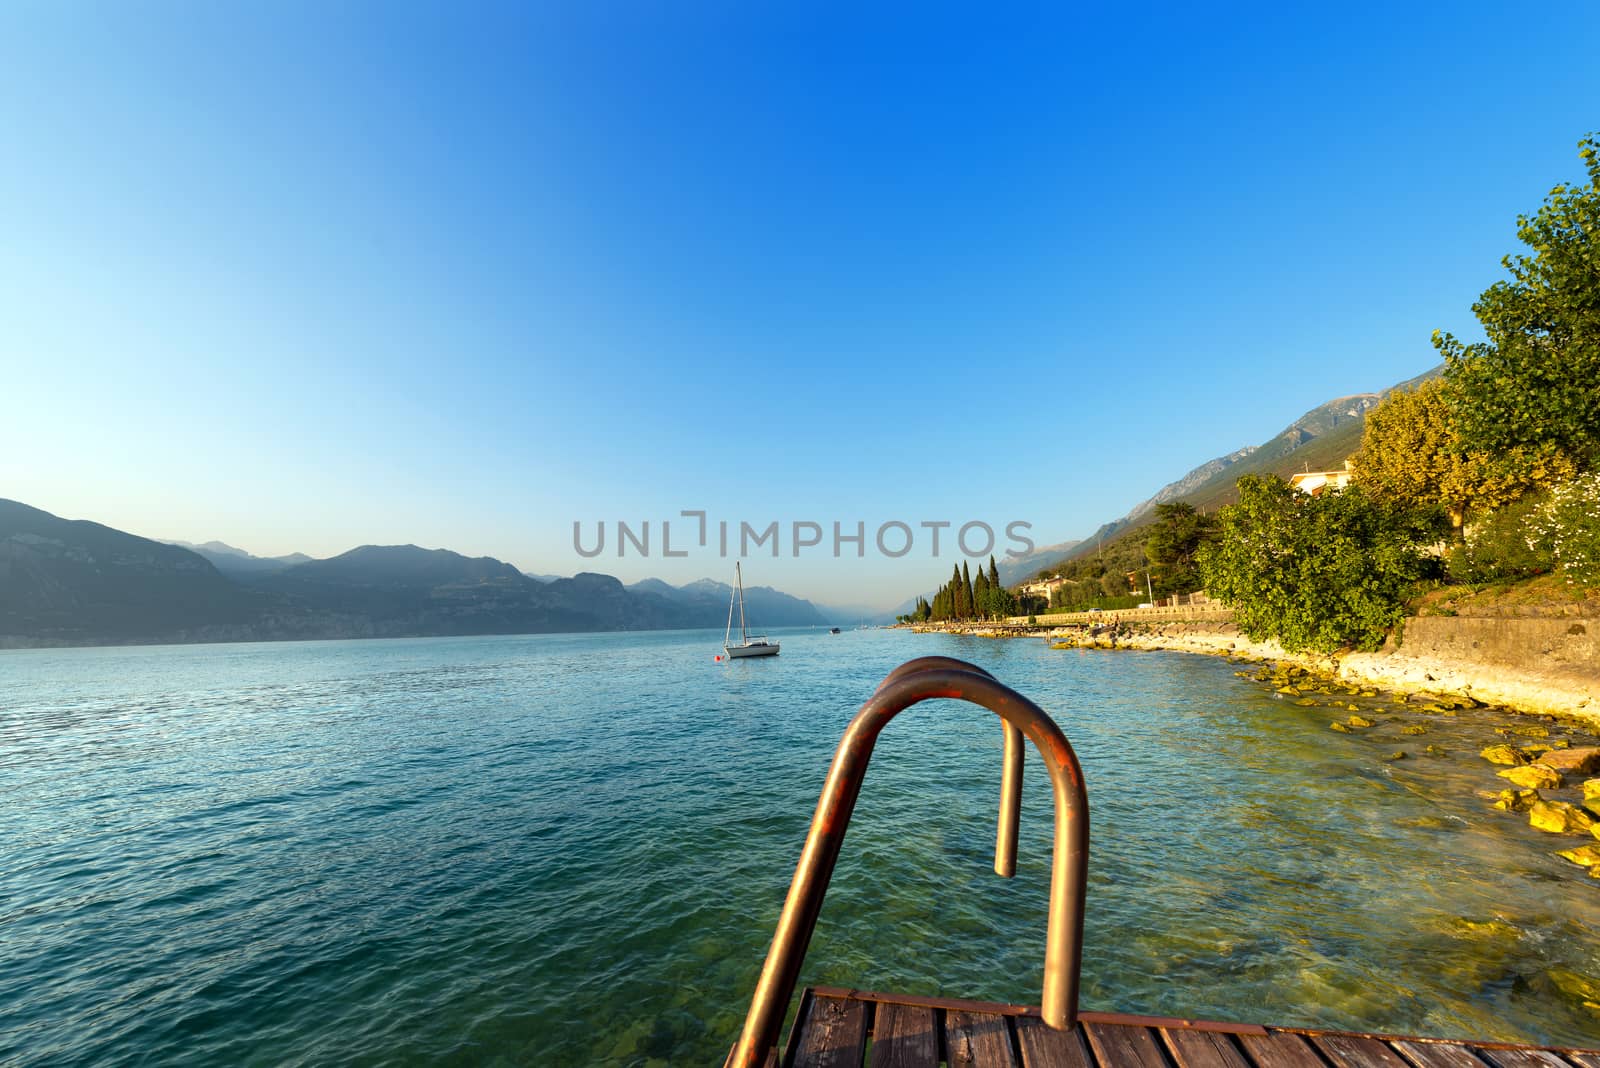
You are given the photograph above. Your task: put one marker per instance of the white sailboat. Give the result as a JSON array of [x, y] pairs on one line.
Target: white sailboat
[[746, 645]]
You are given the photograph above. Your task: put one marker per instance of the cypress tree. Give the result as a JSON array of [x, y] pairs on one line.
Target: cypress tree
[[994, 573], [966, 582]]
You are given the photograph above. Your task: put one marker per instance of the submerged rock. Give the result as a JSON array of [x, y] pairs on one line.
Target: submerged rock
[[1516, 800], [1340, 727], [1360, 721], [1502, 754], [1415, 728], [1559, 817], [1580, 988], [1536, 776], [1398, 754]]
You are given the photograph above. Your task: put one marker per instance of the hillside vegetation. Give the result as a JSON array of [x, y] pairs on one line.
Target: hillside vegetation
[[1480, 477], [1486, 478]]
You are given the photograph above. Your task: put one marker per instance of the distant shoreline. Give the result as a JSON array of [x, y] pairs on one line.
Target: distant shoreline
[[14, 643]]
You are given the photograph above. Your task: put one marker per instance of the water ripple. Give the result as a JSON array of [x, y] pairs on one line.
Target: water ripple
[[572, 849]]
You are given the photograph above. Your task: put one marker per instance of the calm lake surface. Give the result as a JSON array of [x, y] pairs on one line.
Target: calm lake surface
[[571, 850]]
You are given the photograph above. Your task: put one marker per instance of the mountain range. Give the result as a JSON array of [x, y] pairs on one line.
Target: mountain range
[[1320, 440], [74, 582]]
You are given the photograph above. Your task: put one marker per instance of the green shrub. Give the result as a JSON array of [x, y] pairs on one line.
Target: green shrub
[[1321, 573], [1503, 546]]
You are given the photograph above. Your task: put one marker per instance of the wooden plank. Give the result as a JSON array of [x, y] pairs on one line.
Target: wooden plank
[[1584, 1060], [977, 1040], [1436, 1054], [1280, 1049], [1524, 1058], [833, 1034], [1202, 1049], [905, 1036], [1171, 1021], [1001, 1008], [1356, 1051], [1045, 1047], [1124, 1046], [1008, 1009]]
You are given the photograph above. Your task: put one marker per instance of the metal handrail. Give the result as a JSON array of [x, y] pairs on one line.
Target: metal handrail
[[914, 681]]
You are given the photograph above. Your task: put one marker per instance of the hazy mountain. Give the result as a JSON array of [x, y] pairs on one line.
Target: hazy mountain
[[763, 605], [1320, 440], [70, 582], [226, 558]]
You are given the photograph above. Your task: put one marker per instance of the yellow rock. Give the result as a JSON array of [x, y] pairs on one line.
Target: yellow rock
[[1586, 855], [1558, 817], [1502, 754], [1360, 721], [1340, 727], [1516, 800], [1415, 728], [1591, 788], [1536, 776], [1534, 731]]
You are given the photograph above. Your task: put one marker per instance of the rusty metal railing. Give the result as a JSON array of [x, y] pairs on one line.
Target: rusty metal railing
[[919, 680]]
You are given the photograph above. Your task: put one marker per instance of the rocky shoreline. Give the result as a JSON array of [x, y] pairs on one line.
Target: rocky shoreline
[[1548, 753], [1557, 674]]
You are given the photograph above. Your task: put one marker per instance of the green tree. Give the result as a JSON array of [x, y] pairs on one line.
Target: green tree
[[1320, 573], [1175, 537], [1413, 454], [980, 594], [1535, 382], [966, 588]]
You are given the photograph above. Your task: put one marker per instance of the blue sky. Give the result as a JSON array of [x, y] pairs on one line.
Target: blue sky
[[306, 276]]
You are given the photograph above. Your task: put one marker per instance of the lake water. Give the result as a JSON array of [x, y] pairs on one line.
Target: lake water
[[571, 850]]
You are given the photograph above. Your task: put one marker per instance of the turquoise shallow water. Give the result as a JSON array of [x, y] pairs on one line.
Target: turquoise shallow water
[[571, 850]]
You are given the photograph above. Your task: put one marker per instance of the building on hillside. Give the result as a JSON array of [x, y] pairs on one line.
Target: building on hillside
[[1042, 589], [1314, 482]]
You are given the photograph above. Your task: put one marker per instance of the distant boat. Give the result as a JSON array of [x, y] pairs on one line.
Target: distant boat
[[833, 630], [746, 646]]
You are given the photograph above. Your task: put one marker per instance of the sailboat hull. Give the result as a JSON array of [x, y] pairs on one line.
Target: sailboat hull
[[764, 649]]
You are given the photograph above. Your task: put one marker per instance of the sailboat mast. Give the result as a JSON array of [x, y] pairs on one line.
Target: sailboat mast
[[729, 632], [738, 577]]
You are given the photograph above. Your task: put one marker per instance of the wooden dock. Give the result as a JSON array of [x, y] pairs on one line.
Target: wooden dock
[[840, 1028]]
